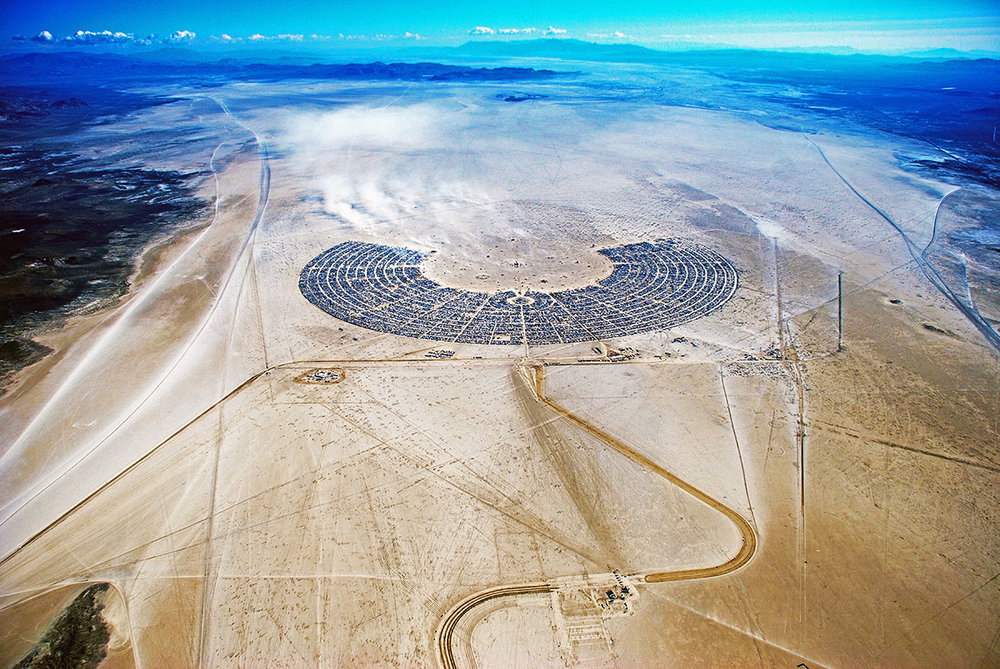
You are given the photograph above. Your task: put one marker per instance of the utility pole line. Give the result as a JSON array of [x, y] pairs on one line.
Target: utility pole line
[[840, 311]]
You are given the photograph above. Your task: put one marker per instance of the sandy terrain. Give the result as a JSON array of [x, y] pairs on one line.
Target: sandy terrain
[[251, 514]]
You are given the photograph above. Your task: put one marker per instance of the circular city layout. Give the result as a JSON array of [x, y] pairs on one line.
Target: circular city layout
[[652, 286]]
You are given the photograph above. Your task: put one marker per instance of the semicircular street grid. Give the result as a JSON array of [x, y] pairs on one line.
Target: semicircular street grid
[[653, 286]]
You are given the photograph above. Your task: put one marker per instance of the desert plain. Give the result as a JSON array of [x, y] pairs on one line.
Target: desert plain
[[806, 475]]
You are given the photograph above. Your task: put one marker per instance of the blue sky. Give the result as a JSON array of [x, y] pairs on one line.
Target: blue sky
[[880, 25]]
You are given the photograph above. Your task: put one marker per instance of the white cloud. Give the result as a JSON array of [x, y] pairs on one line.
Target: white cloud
[[378, 37], [90, 37], [485, 30], [555, 31], [615, 35], [180, 37], [282, 37], [102, 37]]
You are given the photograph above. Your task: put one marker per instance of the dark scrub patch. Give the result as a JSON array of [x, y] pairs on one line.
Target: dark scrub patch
[[77, 638]]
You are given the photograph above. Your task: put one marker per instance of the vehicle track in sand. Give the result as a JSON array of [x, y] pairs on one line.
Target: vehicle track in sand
[[919, 256], [119, 320]]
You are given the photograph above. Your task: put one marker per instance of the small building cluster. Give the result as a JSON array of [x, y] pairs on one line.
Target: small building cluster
[[322, 376]]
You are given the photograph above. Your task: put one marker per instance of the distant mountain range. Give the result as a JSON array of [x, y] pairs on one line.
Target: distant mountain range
[[951, 54], [573, 49], [498, 61], [544, 48], [563, 48], [35, 68], [14, 105]]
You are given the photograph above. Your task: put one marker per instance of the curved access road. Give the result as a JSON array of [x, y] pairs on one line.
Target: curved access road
[[534, 376], [445, 632], [536, 379]]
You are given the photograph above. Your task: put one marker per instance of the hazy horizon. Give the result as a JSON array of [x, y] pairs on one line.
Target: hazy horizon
[[892, 27], [387, 49]]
